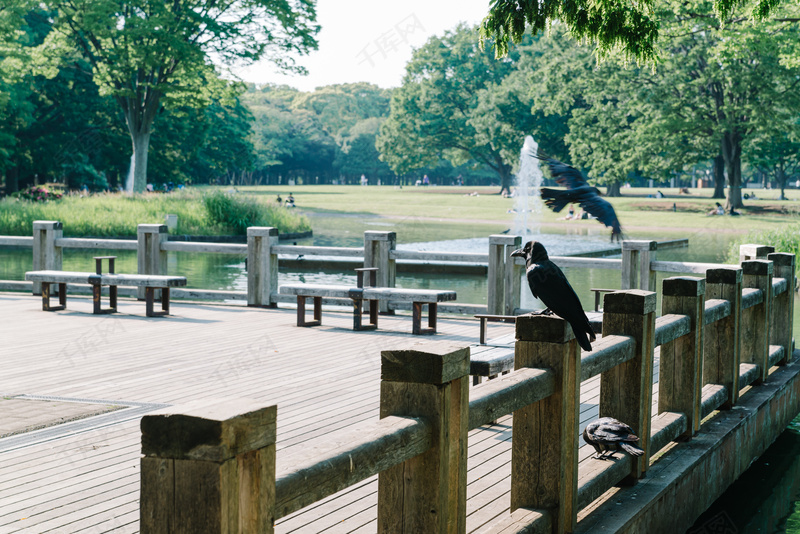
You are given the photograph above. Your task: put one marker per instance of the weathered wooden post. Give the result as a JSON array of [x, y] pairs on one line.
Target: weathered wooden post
[[755, 319], [681, 364], [513, 277], [46, 255], [150, 258], [208, 468], [501, 268], [754, 252], [780, 327], [378, 247], [636, 258], [722, 338], [427, 494], [262, 266], [626, 390], [544, 449]]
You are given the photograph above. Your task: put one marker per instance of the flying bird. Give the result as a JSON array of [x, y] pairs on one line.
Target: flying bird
[[548, 284], [608, 435], [578, 192]]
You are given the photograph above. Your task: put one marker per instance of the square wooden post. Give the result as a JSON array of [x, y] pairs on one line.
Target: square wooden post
[[626, 390], [150, 259], [209, 468], [502, 268], [262, 266], [636, 258], [780, 327], [754, 252], [46, 255], [378, 249], [428, 493], [755, 320], [681, 363], [544, 448], [722, 338]]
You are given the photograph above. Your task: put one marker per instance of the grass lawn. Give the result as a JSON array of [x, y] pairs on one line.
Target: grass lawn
[[635, 210], [448, 207]]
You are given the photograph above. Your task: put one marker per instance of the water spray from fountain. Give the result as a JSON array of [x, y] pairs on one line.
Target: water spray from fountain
[[528, 203]]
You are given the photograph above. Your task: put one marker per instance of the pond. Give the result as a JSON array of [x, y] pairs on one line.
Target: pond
[[767, 497]]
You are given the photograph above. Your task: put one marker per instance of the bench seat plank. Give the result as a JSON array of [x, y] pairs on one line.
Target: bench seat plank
[[135, 280]]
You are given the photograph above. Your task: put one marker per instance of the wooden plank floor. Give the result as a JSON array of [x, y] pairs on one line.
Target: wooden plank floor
[[322, 379]]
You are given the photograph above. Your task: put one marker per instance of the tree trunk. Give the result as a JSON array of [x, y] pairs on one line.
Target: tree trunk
[[141, 145], [719, 177], [612, 190], [732, 153], [505, 179], [12, 180]]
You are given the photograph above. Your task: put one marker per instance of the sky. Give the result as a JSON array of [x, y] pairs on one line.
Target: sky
[[369, 41]]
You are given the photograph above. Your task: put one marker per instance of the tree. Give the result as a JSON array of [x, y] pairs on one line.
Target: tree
[[435, 112], [630, 27], [777, 154], [718, 86], [148, 54]]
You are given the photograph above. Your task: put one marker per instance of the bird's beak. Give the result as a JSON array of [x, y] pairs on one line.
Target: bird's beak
[[519, 252]]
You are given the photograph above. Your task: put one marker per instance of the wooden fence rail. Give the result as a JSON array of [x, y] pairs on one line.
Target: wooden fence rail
[[418, 447]]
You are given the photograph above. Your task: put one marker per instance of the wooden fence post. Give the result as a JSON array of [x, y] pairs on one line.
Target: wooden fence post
[[544, 448], [626, 390], [780, 327], [428, 493], [262, 266], [722, 338], [754, 252], [150, 259], [636, 258], [46, 255], [208, 468], [378, 247], [681, 363], [755, 325], [503, 291]]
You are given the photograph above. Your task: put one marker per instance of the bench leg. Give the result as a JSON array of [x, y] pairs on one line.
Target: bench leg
[[358, 314], [97, 302], [62, 297], [416, 315], [150, 297], [112, 294], [96, 290], [301, 311]]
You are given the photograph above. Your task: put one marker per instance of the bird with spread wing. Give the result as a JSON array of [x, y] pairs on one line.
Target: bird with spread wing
[[579, 192]]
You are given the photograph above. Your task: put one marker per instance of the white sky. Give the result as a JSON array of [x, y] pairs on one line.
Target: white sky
[[369, 40]]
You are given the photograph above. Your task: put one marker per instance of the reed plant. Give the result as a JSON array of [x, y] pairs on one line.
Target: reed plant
[[784, 239], [117, 214]]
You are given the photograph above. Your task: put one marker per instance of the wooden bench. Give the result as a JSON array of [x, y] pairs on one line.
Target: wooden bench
[[418, 298], [97, 281]]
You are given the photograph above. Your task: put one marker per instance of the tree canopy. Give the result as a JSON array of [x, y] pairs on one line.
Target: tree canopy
[[148, 54], [631, 27]]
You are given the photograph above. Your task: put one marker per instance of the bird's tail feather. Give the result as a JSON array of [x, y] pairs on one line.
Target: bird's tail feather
[[554, 199], [631, 449], [583, 338]]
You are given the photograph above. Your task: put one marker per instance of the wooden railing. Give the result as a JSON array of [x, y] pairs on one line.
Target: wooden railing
[[716, 335], [262, 251]]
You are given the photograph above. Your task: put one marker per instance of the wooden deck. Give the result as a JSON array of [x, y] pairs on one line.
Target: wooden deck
[[84, 476]]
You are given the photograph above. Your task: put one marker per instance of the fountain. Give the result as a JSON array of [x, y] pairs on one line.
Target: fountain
[[528, 201]]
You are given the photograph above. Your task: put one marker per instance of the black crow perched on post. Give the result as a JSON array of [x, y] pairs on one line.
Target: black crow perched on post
[[549, 285], [578, 192], [608, 435]]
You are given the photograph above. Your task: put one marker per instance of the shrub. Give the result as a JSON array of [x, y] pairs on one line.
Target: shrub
[[237, 212], [38, 193], [786, 239]]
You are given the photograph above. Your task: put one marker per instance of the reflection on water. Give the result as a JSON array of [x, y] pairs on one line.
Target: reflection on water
[[766, 497]]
